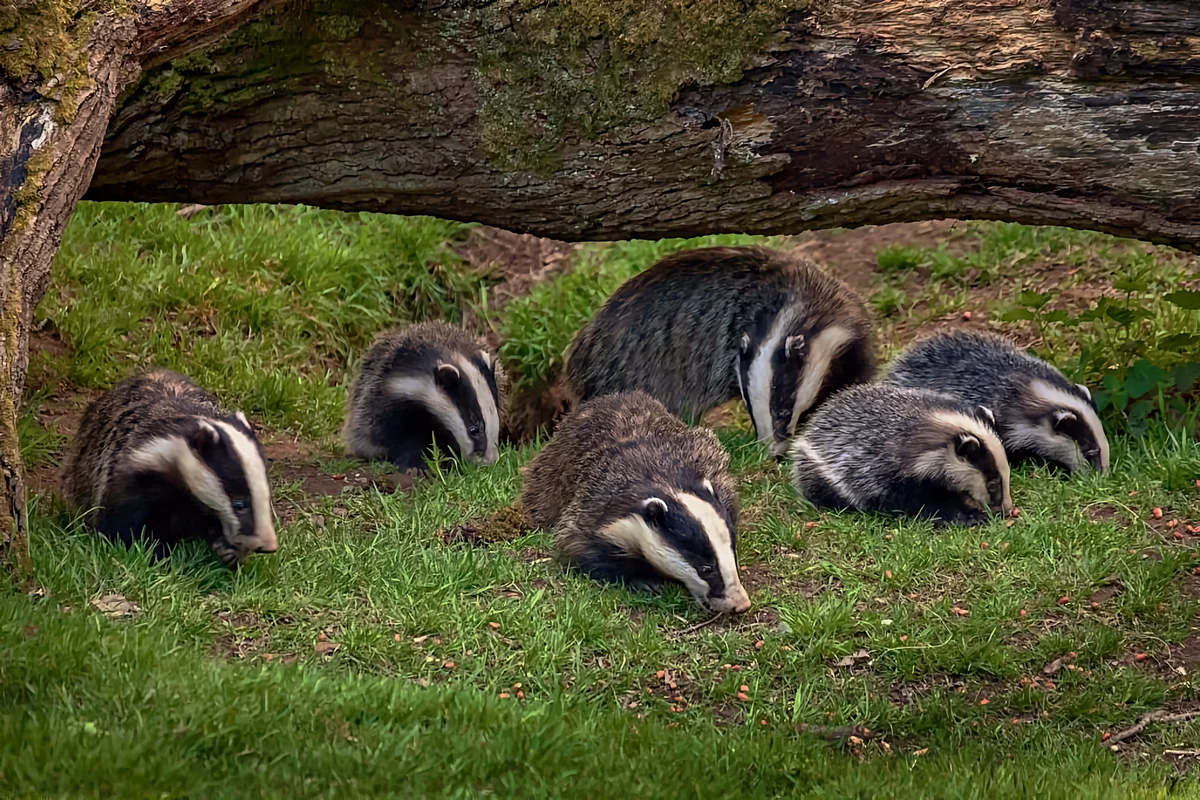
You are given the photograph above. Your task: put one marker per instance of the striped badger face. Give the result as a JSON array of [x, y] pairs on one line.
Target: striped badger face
[[789, 370], [689, 537], [463, 399], [964, 452], [220, 463], [1058, 424]]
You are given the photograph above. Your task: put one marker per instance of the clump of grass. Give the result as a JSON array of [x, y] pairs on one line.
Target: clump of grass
[[900, 258], [267, 306]]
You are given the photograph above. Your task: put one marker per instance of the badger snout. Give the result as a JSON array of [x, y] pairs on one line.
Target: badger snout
[[779, 448], [487, 458], [734, 601], [266, 544]]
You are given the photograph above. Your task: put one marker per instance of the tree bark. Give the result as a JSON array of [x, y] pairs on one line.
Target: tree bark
[[555, 119], [592, 119]]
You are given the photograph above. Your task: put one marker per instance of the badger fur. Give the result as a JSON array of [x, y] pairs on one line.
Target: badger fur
[[156, 455], [634, 495], [705, 326], [1039, 413], [420, 385], [900, 450]]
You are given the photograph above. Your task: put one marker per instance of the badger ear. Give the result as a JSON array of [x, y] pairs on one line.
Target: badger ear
[[446, 375], [966, 445], [708, 487], [1061, 418], [1086, 392], [792, 346], [487, 358], [204, 437], [242, 419], [988, 415], [654, 509], [745, 343]]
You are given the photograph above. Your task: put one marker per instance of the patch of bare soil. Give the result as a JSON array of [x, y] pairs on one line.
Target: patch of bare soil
[[505, 525], [851, 254], [521, 259]]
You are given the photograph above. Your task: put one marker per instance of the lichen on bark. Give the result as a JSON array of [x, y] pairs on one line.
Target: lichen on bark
[[548, 72]]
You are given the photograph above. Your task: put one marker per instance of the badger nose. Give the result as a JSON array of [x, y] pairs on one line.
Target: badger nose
[[735, 601], [779, 449], [266, 543]]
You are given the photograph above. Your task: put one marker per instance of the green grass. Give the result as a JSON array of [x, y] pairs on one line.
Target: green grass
[[217, 686]]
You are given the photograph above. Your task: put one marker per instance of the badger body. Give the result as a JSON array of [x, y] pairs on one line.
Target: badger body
[[156, 455], [705, 326], [905, 451], [634, 495], [1039, 413], [421, 385]]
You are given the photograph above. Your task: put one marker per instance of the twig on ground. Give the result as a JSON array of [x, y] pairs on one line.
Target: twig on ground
[[1181, 752], [1146, 719], [697, 626]]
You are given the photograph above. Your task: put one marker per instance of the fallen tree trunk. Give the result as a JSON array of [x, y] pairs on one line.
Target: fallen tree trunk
[[594, 119]]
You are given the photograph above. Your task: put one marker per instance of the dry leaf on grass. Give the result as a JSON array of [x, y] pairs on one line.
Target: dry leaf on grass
[[326, 648], [115, 605]]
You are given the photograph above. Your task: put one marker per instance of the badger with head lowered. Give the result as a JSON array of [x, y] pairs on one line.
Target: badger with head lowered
[[705, 326], [423, 385], [156, 455], [635, 496], [1039, 413], [904, 451]]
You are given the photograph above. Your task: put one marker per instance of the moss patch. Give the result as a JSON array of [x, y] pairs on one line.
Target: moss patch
[[582, 67]]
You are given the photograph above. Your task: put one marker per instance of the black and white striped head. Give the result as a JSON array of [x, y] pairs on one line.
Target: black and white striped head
[[963, 451], [785, 371], [461, 393], [1058, 424], [688, 536], [220, 462]]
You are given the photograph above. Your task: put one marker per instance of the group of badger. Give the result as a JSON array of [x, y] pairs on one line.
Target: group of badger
[[633, 490]]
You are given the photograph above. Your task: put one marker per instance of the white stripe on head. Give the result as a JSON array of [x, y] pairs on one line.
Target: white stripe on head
[[423, 390], [173, 453], [633, 535], [801, 450], [959, 474], [263, 535], [1055, 397], [761, 375], [822, 349], [721, 540], [487, 407]]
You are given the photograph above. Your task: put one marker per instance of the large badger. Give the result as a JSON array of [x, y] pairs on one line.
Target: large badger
[[157, 455], [634, 495], [1039, 413], [905, 451], [704, 326], [425, 384]]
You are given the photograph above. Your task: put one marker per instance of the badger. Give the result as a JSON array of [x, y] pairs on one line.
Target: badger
[[705, 326], [634, 495], [1039, 413], [421, 385], [906, 451], [156, 456]]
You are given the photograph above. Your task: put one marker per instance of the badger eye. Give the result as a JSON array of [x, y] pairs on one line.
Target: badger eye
[[473, 431], [706, 570], [240, 505]]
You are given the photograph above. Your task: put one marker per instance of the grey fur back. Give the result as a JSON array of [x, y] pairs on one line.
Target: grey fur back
[[980, 368], [136, 410], [607, 448], [868, 435], [674, 331]]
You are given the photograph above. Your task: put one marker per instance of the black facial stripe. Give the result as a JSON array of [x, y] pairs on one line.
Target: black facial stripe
[[785, 381], [684, 534], [489, 375], [471, 414], [224, 462], [985, 462], [1080, 431]]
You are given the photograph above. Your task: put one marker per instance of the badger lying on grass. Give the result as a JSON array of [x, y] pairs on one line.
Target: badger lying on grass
[[423, 385], [634, 495], [156, 455], [907, 451], [1039, 413], [705, 326]]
